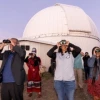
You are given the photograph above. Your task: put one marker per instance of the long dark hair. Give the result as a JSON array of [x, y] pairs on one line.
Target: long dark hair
[[60, 50], [96, 66], [94, 49], [37, 61]]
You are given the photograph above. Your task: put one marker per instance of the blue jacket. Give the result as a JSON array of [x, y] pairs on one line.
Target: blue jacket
[[91, 62]]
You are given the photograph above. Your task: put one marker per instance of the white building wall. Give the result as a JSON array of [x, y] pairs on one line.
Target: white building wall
[[42, 50], [85, 43]]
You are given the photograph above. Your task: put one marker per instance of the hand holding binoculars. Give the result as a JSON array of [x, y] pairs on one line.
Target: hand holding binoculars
[[6, 41]]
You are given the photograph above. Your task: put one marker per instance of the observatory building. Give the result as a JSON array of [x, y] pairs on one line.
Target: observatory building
[[61, 21]]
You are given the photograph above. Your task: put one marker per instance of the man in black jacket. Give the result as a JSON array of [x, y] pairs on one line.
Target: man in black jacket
[[86, 67], [12, 71]]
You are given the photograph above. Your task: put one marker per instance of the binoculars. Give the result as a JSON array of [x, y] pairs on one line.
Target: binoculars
[[97, 50], [63, 42], [30, 54], [6, 41]]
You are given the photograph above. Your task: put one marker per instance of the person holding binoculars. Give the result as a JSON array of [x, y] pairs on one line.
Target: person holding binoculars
[[6, 41], [94, 75], [33, 78], [64, 78], [12, 73]]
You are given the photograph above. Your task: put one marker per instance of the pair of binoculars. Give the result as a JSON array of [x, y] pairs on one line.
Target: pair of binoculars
[[30, 54], [6, 41], [97, 50], [63, 42]]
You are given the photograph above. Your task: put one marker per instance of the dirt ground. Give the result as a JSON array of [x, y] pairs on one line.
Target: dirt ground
[[48, 92]]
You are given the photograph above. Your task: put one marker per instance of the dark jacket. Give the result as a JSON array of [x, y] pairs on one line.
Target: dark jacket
[[17, 64], [75, 52], [37, 60], [85, 60]]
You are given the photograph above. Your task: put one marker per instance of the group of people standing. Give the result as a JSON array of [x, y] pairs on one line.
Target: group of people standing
[[12, 73], [80, 66], [34, 75], [68, 67], [68, 75]]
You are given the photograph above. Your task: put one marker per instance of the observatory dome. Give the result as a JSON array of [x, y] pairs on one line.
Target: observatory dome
[[63, 21], [60, 19]]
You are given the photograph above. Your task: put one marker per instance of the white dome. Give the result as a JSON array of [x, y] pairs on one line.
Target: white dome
[[60, 20]]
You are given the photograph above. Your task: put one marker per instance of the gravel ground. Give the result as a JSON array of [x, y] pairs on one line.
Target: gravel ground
[[48, 92]]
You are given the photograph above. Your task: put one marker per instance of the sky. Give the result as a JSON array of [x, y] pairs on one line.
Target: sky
[[15, 14]]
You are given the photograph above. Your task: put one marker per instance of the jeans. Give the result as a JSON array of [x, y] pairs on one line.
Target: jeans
[[65, 89]]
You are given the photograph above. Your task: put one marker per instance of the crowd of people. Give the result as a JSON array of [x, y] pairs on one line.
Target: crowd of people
[[68, 65]]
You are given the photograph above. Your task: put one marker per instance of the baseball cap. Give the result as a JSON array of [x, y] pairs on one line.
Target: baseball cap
[[34, 50]]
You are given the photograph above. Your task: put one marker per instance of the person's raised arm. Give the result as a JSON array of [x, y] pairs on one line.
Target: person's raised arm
[[18, 49], [26, 59], [51, 52], [1, 48], [76, 50], [82, 54]]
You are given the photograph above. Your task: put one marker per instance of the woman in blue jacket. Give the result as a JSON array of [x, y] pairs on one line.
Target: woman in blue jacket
[[94, 77]]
